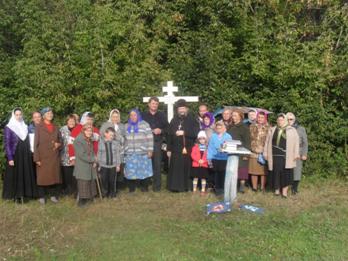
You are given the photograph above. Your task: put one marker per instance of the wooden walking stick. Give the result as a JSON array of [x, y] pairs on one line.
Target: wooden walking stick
[[97, 180], [98, 187]]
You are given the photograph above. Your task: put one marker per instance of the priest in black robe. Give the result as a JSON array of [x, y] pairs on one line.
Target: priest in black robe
[[182, 133]]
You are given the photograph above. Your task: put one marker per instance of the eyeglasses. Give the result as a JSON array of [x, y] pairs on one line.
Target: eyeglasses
[[290, 119]]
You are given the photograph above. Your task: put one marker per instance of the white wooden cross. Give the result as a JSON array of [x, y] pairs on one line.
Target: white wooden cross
[[170, 98]]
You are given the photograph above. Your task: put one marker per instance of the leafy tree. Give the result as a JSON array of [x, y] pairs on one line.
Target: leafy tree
[[103, 54]]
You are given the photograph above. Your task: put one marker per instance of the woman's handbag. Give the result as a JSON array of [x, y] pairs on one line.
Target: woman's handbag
[[260, 159]]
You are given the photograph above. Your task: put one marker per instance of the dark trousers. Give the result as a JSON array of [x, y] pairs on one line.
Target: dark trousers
[[211, 179], [219, 167], [69, 185], [156, 166], [52, 191], [133, 183], [108, 181]]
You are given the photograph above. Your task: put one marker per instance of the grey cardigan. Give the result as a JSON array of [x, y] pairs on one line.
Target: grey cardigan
[[301, 131], [116, 153], [120, 134], [140, 142]]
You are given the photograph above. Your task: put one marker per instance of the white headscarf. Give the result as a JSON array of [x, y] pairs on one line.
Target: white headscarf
[[290, 114], [110, 115], [84, 118], [112, 112], [18, 127]]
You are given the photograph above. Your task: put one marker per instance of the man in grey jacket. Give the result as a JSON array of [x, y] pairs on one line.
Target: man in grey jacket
[[303, 150]]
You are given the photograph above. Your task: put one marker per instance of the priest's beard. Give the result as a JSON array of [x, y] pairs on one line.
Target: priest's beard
[[182, 115]]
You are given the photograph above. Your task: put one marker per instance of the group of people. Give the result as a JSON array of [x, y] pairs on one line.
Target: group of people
[[277, 152], [45, 162]]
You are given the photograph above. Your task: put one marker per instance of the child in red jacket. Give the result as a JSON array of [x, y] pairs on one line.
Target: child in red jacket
[[199, 162]]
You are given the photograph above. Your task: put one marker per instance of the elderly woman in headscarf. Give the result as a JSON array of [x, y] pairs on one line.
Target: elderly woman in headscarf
[[138, 151], [115, 123], [120, 136], [301, 131], [87, 118], [19, 179], [47, 143], [86, 163], [207, 124], [258, 133], [281, 151]]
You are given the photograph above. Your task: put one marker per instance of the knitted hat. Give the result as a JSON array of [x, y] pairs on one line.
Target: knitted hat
[[202, 134]]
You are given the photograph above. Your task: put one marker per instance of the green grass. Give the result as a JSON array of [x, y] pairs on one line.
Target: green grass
[[165, 226]]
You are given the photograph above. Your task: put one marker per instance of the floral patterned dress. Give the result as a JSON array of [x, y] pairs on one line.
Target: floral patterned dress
[[258, 134]]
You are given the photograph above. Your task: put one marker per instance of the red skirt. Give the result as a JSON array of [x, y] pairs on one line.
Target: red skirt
[[243, 173]]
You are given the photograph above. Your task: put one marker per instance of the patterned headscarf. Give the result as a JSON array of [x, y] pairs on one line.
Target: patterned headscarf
[[281, 130], [45, 110], [132, 124], [265, 115], [212, 120]]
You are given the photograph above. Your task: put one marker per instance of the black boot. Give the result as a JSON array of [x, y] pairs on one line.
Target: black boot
[[294, 187], [132, 185], [144, 185], [82, 202]]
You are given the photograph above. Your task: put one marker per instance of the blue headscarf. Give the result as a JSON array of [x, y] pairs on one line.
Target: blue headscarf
[[132, 124]]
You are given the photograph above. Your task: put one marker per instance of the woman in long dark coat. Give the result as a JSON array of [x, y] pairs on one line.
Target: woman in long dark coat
[[47, 142], [183, 130], [19, 178]]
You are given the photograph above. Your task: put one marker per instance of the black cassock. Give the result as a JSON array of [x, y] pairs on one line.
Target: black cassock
[[180, 164]]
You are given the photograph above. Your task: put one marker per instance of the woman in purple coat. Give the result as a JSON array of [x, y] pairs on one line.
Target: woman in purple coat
[[19, 179]]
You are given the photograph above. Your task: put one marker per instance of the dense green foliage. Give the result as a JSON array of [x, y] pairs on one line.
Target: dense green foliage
[[97, 55]]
